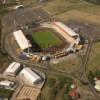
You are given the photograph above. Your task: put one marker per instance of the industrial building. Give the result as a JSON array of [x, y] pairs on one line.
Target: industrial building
[[7, 83], [13, 69], [31, 76], [21, 40]]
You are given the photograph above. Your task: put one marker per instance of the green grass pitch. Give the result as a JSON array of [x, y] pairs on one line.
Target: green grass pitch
[[46, 39]]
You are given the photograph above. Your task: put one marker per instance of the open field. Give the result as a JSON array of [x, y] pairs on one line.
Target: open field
[[46, 39], [73, 9], [53, 87], [56, 7], [70, 64], [94, 60], [80, 16]]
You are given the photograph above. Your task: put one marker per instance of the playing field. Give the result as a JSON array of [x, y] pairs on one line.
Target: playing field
[[46, 39]]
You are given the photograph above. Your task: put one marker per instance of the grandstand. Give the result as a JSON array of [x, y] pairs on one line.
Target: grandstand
[[22, 40], [63, 30]]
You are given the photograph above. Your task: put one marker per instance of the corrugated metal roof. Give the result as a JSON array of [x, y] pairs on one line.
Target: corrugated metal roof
[[30, 75], [12, 67], [21, 40], [67, 29]]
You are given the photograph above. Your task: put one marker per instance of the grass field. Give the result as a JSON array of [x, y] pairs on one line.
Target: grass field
[[69, 65], [94, 60], [56, 86], [46, 39], [6, 93]]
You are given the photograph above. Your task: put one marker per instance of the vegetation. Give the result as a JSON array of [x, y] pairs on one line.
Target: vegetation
[[94, 1], [97, 73], [69, 65], [94, 60], [51, 82], [92, 75], [5, 93], [54, 86], [46, 39]]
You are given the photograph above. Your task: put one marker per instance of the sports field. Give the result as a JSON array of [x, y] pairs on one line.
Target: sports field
[[46, 39]]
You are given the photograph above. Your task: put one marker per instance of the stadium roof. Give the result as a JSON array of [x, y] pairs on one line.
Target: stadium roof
[[66, 29], [30, 75], [21, 40]]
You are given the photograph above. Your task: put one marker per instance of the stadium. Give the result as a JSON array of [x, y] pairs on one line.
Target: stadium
[[47, 40]]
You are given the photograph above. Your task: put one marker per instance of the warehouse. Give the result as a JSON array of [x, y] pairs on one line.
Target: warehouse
[[13, 69], [21, 40], [31, 76]]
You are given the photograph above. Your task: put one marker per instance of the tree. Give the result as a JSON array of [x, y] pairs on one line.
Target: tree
[[94, 1], [91, 77]]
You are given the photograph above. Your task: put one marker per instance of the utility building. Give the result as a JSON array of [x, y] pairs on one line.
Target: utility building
[[31, 76], [13, 69]]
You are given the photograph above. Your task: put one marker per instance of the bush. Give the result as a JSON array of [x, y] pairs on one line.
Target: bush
[[97, 73], [94, 1], [66, 97], [91, 77]]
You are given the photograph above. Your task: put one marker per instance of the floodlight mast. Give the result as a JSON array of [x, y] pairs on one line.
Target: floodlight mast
[[28, 48], [15, 25]]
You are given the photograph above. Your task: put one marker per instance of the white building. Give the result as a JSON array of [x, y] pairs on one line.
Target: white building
[[97, 87], [31, 76], [21, 40], [7, 83], [12, 69]]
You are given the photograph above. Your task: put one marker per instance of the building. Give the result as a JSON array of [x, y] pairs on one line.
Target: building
[[21, 40], [97, 85], [31, 76], [74, 95], [7, 83], [13, 69], [71, 36]]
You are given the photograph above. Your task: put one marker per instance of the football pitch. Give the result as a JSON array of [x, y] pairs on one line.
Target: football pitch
[[46, 39]]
